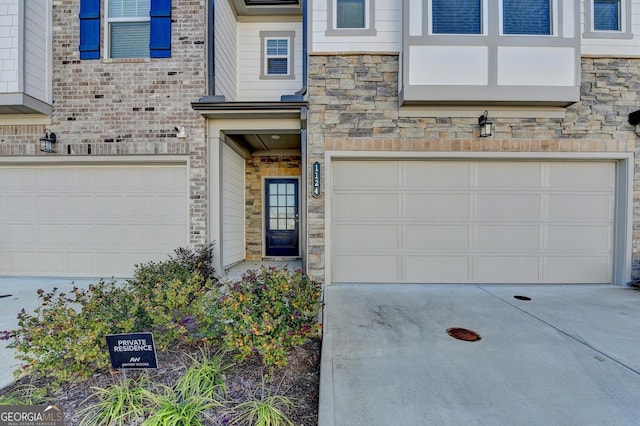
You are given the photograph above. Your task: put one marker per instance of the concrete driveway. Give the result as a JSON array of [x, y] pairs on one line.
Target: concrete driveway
[[17, 293], [569, 356]]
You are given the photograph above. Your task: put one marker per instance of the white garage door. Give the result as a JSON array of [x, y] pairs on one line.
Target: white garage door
[[233, 208], [89, 220], [472, 222]]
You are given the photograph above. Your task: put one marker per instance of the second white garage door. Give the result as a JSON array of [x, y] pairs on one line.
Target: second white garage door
[[472, 221], [94, 220]]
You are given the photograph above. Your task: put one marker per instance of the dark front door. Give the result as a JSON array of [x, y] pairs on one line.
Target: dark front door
[[282, 217]]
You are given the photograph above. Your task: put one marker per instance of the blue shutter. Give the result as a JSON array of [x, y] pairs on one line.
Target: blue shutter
[[90, 29], [526, 17], [160, 41], [456, 16]]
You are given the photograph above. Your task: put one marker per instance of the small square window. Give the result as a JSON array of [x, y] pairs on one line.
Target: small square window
[[606, 15], [277, 59], [526, 17], [350, 14], [456, 16]]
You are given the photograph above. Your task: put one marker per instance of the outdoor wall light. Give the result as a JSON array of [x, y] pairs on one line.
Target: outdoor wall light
[[486, 125], [48, 141]]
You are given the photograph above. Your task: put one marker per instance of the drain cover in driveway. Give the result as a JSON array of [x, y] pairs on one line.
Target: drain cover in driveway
[[463, 334], [5, 295], [522, 297]]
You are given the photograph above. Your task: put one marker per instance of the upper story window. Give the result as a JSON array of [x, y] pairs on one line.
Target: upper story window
[[608, 19], [456, 16], [277, 54], [350, 17], [133, 28], [128, 28], [526, 17]]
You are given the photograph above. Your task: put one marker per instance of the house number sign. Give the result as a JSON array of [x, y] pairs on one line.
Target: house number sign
[[316, 180]]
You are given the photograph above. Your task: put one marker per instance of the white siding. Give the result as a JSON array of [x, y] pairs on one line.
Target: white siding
[[613, 47], [225, 50], [250, 86], [388, 19], [9, 42], [233, 208], [37, 49]]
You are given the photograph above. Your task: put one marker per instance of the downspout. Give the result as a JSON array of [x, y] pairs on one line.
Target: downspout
[[211, 59], [299, 95]]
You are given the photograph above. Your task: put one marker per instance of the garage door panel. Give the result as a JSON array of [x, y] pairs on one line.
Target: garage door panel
[[367, 268], [437, 205], [508, 175], [444, 175], [571, 207], [478, 221], [581, 175], [508, 206], [580, 238], [62, 219], [436, 237], [584, 269], [354, 236], [523, 237], [366, 206], [436, 269], [351, 174], [506, 269]]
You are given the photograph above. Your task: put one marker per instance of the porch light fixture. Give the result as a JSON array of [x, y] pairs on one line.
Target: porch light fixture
[[486, 125], [48, 141]]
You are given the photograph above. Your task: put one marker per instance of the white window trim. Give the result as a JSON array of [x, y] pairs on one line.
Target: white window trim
[[369, 18], [484, 21], [554, 22], [107, 28], [277, 35], [625, 31]]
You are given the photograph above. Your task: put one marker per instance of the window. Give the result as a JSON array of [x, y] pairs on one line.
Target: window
[[606, 15], [456, 16], [350, 17], [128, 28], [350, 14], [527, 17], [277, 54], [608, 19], [134, 28]]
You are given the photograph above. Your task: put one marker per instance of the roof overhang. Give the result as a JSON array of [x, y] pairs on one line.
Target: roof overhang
[[250, 109]]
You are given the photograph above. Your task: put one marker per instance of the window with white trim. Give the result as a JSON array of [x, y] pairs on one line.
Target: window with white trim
[[351, 17], [128, 28], [277, 55], [527, 17], [456, 16], [608, 19]]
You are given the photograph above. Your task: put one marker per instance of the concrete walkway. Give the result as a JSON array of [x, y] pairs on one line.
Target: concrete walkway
[[570, 356]]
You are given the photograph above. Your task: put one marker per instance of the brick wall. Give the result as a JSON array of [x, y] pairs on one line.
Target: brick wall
[[353, 105], [127, 107]]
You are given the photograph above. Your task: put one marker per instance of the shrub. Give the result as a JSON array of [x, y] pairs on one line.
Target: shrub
[[268, 411], [205, 377], [25, 395], [118, 404], [64, 338], [268, 312], [171, 410]]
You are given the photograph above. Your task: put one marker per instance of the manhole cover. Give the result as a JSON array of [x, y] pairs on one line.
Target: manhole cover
[[5, 295], [522, 297], [463, 334]]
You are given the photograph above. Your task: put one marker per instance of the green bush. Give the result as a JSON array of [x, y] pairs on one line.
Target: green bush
[[268, 312], [64, 338], [118, 404]]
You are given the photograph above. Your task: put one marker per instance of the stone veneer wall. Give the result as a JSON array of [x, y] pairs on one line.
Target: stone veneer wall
[[258, 168], [130, 106], [353, 105]]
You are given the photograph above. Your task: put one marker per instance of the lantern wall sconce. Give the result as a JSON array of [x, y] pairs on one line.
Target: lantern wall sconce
[[48, 141], [486, 125]]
